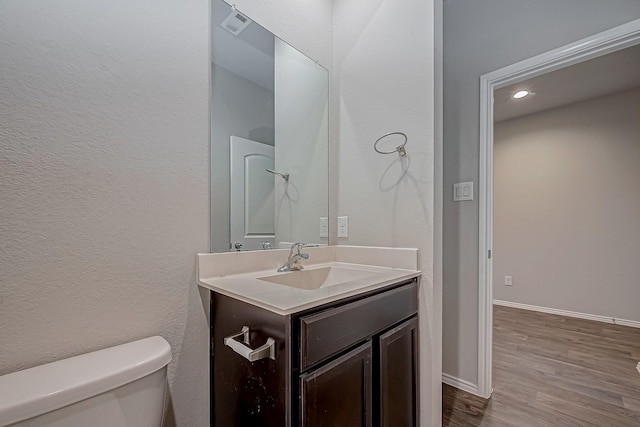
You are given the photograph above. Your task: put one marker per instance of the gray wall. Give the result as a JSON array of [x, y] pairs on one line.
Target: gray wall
[[241, 108], [567, 207], [479, 37]]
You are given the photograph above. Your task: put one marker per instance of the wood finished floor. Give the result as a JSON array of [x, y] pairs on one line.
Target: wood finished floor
[[555, 371]]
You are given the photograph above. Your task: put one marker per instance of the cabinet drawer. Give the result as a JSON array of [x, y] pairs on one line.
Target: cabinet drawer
[[328, 332]]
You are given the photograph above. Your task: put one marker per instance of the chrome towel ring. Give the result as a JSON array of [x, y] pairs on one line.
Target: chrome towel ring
[[399, 149]]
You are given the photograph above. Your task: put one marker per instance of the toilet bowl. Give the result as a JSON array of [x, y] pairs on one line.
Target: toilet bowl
[[115, 387]]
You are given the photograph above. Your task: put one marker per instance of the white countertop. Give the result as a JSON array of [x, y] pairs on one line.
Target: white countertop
[[222, 273]]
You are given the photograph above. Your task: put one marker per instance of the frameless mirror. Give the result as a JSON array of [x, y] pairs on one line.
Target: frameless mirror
[[269, 138]]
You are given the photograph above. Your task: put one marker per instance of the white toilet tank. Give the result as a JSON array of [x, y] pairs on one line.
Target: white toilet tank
[[120, 386]]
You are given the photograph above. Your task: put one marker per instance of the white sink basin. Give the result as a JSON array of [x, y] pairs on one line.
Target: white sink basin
[[318, 277]]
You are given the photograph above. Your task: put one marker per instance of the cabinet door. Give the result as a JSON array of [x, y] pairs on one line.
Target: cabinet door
[[339, 393], [399, 376]]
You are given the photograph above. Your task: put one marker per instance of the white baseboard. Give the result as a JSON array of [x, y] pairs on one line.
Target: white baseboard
[[461, 384], [605, 319]]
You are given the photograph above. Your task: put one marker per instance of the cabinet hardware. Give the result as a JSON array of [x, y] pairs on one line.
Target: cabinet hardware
[[268, 349]]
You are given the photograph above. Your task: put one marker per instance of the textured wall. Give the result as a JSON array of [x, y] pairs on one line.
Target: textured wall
[[104, 183], [567, 207], [480, 37], [104, 168], [304, 24], [384, 81], [104, 178]]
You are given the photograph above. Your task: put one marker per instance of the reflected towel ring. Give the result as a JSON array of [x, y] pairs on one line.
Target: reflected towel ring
[[399, 149]]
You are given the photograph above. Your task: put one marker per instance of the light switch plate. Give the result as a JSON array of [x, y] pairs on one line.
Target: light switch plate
[[324, 226], [463, 191], [343, 226]]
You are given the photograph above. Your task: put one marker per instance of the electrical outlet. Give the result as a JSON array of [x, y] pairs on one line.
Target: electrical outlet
[[324, 226], [508, 280], [343, 226]]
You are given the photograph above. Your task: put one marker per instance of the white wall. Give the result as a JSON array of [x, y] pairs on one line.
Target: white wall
[[385, 81], [104, 183], [104, 177], [304, 24], [567, 207], [242, 108], [302, 132], [481, 36]]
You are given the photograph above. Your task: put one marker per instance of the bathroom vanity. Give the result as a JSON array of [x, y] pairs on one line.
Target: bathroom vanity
[[337, 348]]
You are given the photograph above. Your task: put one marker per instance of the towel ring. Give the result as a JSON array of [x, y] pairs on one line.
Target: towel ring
[[399, 149]]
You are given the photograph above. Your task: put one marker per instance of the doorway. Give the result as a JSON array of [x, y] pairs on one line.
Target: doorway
[[600, 44]]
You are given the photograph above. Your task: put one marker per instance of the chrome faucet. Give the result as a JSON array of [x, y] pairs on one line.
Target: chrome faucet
[[295, 257]]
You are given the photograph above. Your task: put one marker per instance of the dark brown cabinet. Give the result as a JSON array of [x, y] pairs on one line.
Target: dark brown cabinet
[[350, 363], [339, 393], [398, 363]]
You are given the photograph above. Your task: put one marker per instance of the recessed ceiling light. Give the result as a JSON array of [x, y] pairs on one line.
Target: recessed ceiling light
[[521, 94]]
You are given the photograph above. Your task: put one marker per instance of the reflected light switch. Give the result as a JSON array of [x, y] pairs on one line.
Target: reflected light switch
[[324, 226]]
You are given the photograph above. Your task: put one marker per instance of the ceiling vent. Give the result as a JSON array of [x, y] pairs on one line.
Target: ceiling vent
[[235, 23]]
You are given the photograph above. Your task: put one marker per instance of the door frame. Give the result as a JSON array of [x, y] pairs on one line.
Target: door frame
[[608, 41]]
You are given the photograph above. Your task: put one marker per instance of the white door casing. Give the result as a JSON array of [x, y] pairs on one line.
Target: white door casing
[[612, 40]]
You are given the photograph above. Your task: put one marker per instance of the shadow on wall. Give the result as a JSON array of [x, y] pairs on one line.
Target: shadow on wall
[[169, 419], [397, 176], [189, 353], [284, 207]]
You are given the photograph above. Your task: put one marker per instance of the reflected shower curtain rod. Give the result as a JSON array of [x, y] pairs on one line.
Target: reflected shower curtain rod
[[284, 176]]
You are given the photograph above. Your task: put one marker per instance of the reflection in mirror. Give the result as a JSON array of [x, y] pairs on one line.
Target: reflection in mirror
[[269, 138]]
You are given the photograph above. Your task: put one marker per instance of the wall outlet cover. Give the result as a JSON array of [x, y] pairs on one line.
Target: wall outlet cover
[[508, 280], [343, 226]]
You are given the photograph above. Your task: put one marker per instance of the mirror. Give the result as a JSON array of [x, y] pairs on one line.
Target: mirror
[[269, 138]]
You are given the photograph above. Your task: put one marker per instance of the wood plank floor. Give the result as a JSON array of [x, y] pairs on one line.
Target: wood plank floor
[[555, 371]]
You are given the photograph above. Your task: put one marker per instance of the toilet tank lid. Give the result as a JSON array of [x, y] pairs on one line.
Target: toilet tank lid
[[41, 389]]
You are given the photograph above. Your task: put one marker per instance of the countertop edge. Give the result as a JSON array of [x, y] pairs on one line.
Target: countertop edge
[[408, 274]]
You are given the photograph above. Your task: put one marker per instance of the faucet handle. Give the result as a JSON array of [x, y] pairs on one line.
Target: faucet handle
[[297, 247]]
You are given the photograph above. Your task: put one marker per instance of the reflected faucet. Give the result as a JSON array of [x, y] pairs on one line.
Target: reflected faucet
[[295, 258]]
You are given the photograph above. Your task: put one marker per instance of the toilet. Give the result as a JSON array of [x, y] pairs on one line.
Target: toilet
[[115, 387]]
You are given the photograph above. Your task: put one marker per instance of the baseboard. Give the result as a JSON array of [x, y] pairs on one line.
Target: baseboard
[[604, 319], [624, 322], [461, 384]]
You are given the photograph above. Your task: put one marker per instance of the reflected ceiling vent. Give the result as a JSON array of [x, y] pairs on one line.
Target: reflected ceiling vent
[[235, 23]]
